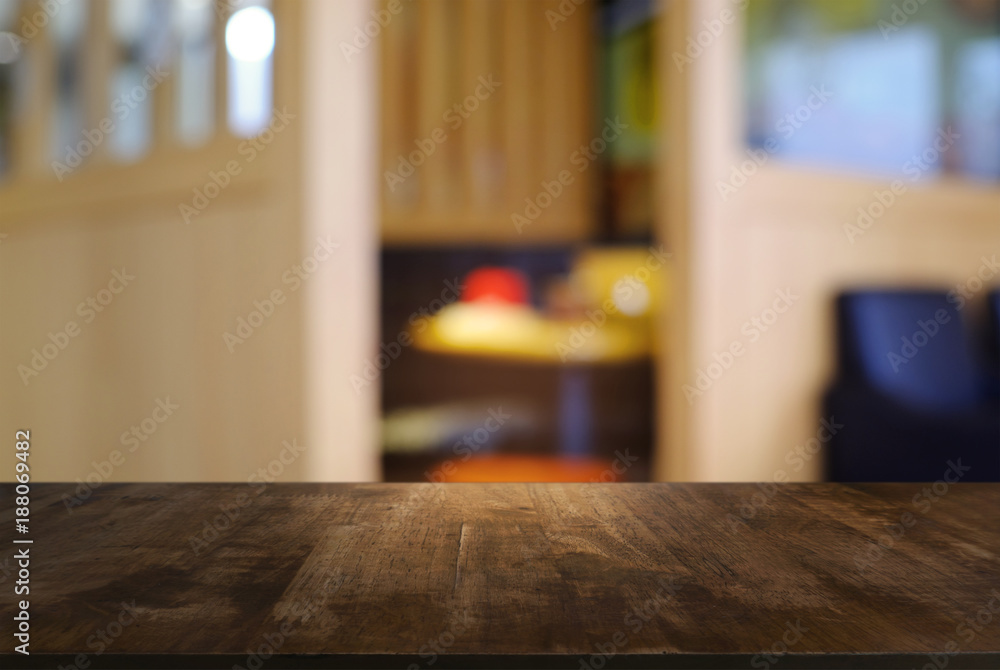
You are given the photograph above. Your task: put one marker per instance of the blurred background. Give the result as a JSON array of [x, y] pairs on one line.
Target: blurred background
[[501, 240]]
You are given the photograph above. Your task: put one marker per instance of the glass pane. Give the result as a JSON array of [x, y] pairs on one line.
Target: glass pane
[[194, 112], [141, 29], [67, 26], [977, 106], [905, 89], [11, 52], [250, 47]]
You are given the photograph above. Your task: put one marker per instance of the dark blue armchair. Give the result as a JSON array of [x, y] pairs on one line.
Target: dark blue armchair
[[912, 394]]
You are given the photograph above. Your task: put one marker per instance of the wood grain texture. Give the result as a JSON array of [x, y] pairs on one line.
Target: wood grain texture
[[512, 575]]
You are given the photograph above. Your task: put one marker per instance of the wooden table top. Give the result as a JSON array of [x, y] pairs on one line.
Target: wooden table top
[[581, 576]]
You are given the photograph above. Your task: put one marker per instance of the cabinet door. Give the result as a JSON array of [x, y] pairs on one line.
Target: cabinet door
[[487, 120]]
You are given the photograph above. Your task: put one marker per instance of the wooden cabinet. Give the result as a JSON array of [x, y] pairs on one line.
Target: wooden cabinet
[[487, 111]]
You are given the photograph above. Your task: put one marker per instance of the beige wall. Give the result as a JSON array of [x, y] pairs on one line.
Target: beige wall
[[162, 336], [783, 229]]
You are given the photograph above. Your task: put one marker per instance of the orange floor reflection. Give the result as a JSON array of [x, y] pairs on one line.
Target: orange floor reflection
[[518, 468]]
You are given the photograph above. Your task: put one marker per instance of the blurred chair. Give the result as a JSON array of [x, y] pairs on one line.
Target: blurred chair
[[910, 392]]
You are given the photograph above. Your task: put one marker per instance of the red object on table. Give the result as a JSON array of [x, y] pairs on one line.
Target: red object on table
[[496, 284]]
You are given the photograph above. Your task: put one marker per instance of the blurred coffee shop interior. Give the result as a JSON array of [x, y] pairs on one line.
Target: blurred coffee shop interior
[[501, 240]]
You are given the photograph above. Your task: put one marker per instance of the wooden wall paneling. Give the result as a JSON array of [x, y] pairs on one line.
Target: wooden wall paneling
[[164, 109], [221, 13], [395, 109], [521, 135], [97, 55], [496, 164], [31, 141], [582, 124], [434, 68], [474, 133], [556, 112], [518, 108]]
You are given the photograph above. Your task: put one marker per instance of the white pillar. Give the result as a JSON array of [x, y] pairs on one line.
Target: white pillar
[[340, 191]]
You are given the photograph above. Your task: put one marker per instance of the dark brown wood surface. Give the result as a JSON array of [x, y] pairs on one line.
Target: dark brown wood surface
[[583, 576]]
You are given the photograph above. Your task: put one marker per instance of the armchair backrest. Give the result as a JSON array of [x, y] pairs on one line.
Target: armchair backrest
[[909, 344]]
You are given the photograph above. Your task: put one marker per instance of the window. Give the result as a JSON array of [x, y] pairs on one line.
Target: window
[[906, 89], [250, 46]]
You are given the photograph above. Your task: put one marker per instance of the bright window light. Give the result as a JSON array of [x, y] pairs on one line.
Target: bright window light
[[250, 34]]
